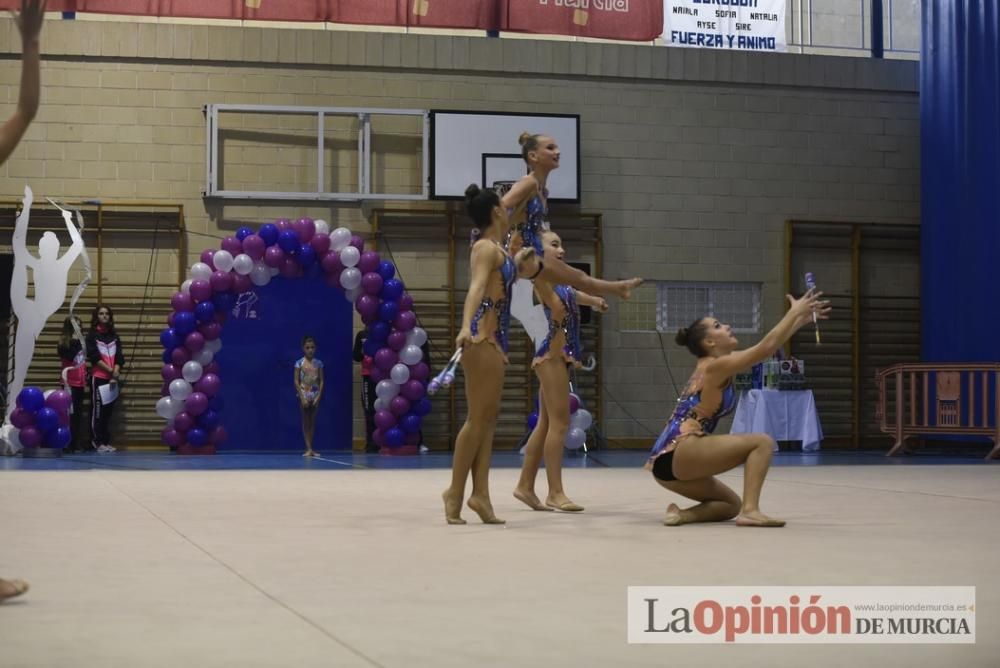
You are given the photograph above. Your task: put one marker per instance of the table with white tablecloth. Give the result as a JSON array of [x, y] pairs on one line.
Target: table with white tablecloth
[[785, 415]]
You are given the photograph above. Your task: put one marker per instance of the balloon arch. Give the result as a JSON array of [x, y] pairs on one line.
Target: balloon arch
[[190, 400]]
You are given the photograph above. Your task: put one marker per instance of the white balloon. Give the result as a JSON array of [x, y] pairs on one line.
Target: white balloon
[[350, 256], [242, 264], [411, 355], [350, 278], [274, 271], [416, 337], [386, 389], [213, 346], [581, 419], [260, 274], [192, 370], [353, 294], [180, 389], [186, 287], [400, 374], [340, 238], [381, 405], [223, 260], [201, 271], [575, 438], [322, 227], [203, 357], [167, 408]]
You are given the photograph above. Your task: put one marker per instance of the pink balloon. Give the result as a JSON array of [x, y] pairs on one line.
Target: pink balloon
[[169, 372], [397, 340], [332, 265], [218, 435], [305, 228], [222, 281], [274, 256], [211, 330], [21, 418], [369, 262], [420, 371], [194, 342], [574, 403], [209, 384], [399, 406], [30, 437], [254, 246], [182, 302], [183, 422], [320, 243], [385, 420], [412, 390], [59, 401], [201, 290], [233, 245], [207, 256], [241, 283], [283, 224], [195, 404], [170, 436], [180, 356]]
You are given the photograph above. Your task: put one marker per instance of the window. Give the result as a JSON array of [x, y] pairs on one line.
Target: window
[[679, 304]]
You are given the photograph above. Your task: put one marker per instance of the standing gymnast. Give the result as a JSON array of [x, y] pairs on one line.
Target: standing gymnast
[[686, 457]]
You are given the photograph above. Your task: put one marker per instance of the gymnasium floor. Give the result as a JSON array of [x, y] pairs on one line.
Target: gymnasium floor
[[270, 560]]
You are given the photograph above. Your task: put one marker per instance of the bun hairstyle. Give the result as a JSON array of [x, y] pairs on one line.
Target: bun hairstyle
[[529, 143], [692, 337], [479, 204]]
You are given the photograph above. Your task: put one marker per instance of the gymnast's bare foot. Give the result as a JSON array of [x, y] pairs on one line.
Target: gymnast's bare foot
[[755, 518], [561, 502], [12, 588], [484, 509], [674, 516], [452, 508], [623, 289], [529, 499]]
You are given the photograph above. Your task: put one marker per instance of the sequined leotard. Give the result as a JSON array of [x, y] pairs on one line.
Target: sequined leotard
[[491, 321], [695, 415]]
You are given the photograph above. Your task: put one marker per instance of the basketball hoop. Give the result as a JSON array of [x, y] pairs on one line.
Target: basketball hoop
[[503, 187]]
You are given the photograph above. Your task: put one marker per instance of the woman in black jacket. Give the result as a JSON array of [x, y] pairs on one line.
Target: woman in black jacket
[[104, 352]]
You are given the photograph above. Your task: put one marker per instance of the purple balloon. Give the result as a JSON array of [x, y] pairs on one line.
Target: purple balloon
[[194, 342], [378, 375], [182, 302], [370, 318], [169, 372], [406, 302], [399, 406], [241, 283], [195, 404], [209, 385], [320, 243], [290, 268], [379, 437], [218, 435], [386, 358], [30, 437], [183, 421], [211, 367], [208, 257], [397, 340], [254, 246], [367, 305], [358, 242], [211, 331], [222, 281], [283, 224], [332, 265], [371, 283], [385, 420], [306, 229], [420, 371], [574, 403], [201, 290], [274, 256], [180, 356], [22, 418], [412, 390], [369, 262], [171, 318], [170, 436], [233, 245], [59, 401], [405, 321]]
